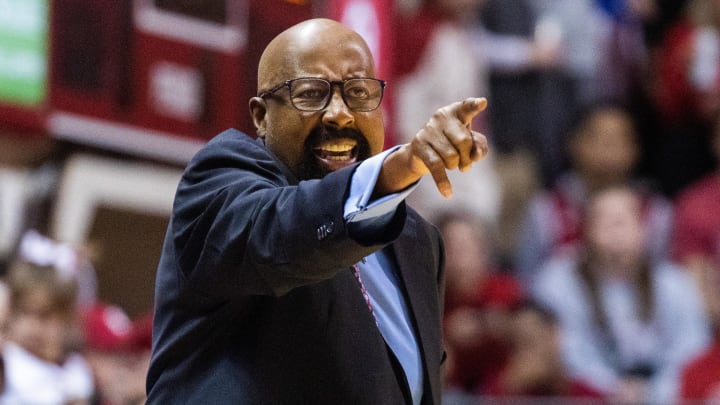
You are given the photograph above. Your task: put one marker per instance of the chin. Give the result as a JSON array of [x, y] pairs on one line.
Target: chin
[[313, 167], [310, 171]]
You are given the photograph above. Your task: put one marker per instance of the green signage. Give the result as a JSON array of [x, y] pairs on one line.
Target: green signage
[[23, 52]]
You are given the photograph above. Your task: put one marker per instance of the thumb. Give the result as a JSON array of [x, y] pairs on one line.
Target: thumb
[[469, 108]]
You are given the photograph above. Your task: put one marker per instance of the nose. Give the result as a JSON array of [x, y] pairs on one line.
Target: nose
[[337, 114]]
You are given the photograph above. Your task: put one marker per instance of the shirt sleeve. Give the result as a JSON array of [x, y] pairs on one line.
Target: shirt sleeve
[[359, 209]]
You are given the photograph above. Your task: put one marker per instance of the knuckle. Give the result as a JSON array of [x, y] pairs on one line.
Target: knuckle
[[440, 113], [434, 163], [465, 142], [425, 132]]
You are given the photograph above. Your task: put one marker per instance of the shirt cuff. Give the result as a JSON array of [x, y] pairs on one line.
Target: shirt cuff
[[358, 206]]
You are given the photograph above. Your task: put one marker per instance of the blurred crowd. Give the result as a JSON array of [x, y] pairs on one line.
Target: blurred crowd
[[582, 256]]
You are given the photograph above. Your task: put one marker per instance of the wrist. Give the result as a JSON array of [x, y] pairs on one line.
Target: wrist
[[400, 169]]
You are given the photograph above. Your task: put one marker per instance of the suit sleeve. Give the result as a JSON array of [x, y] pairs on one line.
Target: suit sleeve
[[240, 228]]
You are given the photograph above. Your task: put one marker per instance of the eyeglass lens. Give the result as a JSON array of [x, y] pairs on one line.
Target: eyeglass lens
[[312, 94]]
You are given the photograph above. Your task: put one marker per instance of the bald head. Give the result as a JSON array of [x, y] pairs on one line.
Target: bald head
[[307, 44]]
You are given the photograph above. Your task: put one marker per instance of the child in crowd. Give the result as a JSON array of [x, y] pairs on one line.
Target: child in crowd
[[42, 365]]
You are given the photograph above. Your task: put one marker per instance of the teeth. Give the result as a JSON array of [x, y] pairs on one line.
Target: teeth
[[338, 158], [337, 147]]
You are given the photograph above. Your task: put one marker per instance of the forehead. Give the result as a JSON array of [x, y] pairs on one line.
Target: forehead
[[337, 59], [38, 299], [610, 120], [316, 48]]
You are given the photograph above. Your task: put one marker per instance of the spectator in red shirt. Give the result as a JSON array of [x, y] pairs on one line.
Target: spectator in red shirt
[[696, 235], [687, 95], [689, 65], [701, 376], [478, 302], [697, 246]]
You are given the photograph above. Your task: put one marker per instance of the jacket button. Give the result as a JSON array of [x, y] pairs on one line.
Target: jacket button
[[324, 230]]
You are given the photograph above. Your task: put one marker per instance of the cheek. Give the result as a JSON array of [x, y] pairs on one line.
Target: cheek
[[286, 136], [373, 128]]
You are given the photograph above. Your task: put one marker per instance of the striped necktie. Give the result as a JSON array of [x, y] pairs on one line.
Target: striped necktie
[[356, 273]]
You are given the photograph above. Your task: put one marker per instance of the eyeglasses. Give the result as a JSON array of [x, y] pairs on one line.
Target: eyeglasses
[[314, 94]]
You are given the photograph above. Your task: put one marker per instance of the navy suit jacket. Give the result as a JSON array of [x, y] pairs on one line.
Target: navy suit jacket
[[255, 301]]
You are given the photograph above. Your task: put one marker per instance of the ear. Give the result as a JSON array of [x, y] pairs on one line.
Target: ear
[[258, 111]]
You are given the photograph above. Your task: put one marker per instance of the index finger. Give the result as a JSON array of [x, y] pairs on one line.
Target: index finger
[[469, 108]]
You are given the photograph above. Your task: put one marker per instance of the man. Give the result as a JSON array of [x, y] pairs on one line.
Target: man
[[291, 274]]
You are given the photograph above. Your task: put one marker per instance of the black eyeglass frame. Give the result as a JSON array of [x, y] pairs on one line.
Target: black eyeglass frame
[[332, 83]]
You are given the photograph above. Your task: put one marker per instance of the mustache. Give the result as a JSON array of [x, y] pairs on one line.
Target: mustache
[[323, 133]]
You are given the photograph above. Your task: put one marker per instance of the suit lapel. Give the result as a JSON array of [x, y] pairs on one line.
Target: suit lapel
[[419, 279]]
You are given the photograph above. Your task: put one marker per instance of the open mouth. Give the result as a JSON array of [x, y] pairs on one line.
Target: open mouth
[[336, 153]]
